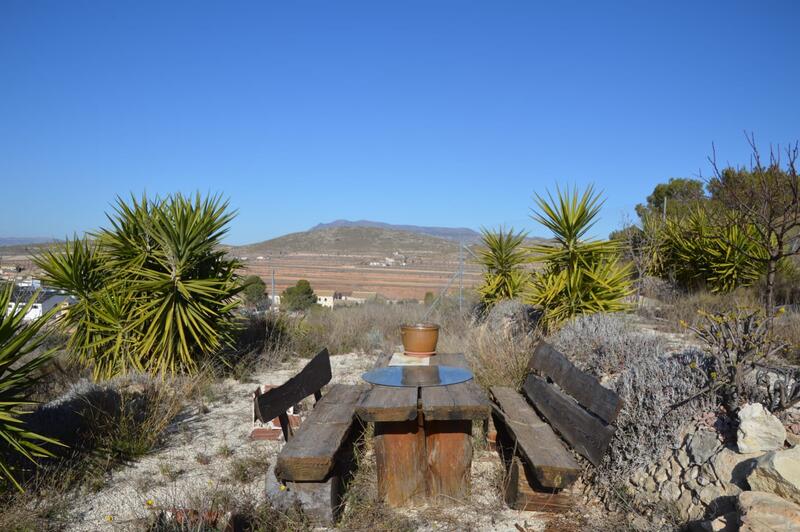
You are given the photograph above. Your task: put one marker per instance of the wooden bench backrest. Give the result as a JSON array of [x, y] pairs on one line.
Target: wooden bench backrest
[[580, 408], [276, 401]]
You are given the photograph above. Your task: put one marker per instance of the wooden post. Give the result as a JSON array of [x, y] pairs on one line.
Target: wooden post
[[449, 458], [400, 459]]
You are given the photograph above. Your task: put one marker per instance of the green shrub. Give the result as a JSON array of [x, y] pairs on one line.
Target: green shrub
[[298, 297], [155, 291], [19, 363], [696, 253]]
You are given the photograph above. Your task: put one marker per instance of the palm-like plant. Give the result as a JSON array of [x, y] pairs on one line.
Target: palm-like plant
[[18, 341], [155, 290], [502, 257], [696, 253], [580, 276]]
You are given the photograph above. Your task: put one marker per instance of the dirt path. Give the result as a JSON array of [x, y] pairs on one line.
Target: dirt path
[[209, 455]]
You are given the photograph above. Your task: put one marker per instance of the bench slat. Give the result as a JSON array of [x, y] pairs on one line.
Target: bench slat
[[582, 386], [311, 454], [587, 434], [311, 379], [552, 464]]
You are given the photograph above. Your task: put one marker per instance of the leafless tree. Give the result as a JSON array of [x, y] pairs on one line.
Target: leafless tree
[[766, 197]]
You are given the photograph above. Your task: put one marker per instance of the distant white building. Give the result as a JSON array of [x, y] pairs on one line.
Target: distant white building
[[359, 298], [325, 298], [44, 302]]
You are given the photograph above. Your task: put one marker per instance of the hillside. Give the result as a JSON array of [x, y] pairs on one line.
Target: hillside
[[350, 240], [457, 234]]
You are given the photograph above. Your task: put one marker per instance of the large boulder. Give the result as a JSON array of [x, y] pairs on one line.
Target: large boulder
[[730, 467], [778, 472], [512, 317], [766, 512], [759, 430]]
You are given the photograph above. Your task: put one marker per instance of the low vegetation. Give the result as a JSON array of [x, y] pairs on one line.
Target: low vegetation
[[19, 363]]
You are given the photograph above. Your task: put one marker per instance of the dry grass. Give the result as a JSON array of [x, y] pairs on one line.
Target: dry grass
[[112, 425]]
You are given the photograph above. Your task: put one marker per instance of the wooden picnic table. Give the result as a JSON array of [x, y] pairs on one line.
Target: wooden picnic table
[[423, 435]]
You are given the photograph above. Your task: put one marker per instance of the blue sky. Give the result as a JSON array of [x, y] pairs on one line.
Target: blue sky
[[428, 112]]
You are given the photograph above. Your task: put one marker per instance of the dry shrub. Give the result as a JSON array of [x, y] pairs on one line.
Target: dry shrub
[[361, 328], [787, 330], [499, 359], [686, 307], [652, 384], [604, 344]]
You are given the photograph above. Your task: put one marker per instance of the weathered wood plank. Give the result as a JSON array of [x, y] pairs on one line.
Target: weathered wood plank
[[458, 401], [520, 492], [583, 387], [400, 459], [464, 401], [326, 435], [382, 403], [338, 405], [551, 463], [587, 434], [449, 459], [276, 401], [311, 454]]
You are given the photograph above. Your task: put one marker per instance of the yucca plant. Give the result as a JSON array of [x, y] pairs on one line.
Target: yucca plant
[[502, 257], [580, 276], [155, 290], [697, 252], [19, 367]]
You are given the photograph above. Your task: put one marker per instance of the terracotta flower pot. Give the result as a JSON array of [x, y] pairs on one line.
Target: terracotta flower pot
[[419, 340]]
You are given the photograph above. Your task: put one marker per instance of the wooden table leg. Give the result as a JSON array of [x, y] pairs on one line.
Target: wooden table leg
[[400, 459], [449, 458]]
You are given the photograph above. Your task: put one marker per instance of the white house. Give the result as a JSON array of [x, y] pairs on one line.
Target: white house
[[325, 298]]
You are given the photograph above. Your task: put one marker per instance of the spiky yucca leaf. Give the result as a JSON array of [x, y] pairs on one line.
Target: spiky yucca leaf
[[580, 276], [166, 290], [18, 339], [502, 257], [695, 252]]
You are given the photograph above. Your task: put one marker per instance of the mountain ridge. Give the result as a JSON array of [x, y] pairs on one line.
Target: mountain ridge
[[457, 234]]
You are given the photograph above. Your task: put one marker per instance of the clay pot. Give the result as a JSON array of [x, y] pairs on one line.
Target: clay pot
[[419, 340]]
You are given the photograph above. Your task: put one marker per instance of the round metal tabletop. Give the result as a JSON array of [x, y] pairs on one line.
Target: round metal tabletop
[[417, 376]]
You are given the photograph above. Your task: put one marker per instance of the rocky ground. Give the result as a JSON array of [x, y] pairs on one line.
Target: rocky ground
[[209, 454]]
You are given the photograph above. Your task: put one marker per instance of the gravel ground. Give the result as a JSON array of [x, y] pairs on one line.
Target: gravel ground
[[204, 447]]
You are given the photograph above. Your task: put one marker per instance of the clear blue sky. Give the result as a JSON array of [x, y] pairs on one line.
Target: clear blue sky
[[429, 112]]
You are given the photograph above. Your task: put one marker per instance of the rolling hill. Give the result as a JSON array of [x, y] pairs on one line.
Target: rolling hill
[[351, 240], [457, 234]]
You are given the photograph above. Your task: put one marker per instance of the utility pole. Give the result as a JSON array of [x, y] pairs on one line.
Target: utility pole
[[273, 288], [461, 277], [664, 214]]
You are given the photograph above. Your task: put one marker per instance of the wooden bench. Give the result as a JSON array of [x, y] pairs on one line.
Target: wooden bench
[[318, 459], [575, 406]]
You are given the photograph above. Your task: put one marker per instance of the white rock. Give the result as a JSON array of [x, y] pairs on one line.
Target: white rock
[[731, 467], [766, 512], [778, 472], [660, 475], [759, 430]]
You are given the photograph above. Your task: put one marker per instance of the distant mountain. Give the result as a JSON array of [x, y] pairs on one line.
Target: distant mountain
[[457, 234], [347, 240], [22, 240]]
